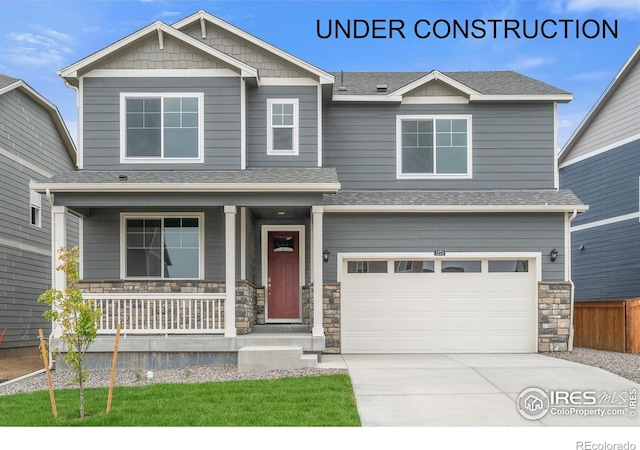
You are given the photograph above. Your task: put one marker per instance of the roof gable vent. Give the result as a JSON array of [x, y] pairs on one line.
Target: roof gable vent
[[381, 88]]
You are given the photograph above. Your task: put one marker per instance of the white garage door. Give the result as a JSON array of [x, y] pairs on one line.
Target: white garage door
[[418, 305]]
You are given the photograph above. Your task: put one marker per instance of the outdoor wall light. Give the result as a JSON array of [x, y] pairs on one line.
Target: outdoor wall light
[[325, 255], [553, 255]]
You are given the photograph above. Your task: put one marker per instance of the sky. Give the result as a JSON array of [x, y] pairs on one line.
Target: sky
[[38, 38]]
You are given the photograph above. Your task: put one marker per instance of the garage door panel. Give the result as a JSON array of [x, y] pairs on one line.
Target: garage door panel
[[419, 343], [413, 305], [439, 312], [368, 343], [413, 324]]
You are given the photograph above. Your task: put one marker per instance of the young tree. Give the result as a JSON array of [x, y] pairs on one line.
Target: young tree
[[76, 317]]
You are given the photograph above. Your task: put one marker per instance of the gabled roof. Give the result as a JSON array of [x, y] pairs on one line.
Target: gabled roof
[[324, 77], [8, 84], [477, 86], [602, 101], [72, 72]]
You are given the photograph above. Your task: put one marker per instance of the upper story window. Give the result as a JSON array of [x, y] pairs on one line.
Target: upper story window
[[160, 128], [282, 126], [433, 147], [36, 209]]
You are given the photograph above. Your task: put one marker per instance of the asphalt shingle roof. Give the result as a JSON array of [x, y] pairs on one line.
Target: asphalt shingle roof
[[549, 197], [487, 82], [6, 80], [257, 176]]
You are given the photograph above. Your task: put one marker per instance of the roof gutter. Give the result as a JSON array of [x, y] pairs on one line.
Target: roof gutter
[[185, 187], [452, 208]]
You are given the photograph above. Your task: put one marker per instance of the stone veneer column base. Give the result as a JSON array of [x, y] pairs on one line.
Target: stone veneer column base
[[554, 316]]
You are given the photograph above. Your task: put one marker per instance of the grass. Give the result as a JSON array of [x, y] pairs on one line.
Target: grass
[[286, 402]]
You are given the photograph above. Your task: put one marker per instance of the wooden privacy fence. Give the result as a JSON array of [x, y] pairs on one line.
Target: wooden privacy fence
[[608, 325]]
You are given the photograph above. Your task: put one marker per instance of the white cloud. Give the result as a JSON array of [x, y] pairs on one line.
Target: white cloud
[[45, 48], [629, 7], [170, 13], [524, 62], [564, 123], [593, 76]]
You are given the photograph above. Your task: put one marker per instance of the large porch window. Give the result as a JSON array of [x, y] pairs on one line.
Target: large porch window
[[163, 246]]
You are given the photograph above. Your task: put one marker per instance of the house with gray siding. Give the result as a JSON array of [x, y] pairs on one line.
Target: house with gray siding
[[34, 146], [236, 199], [601, 164]]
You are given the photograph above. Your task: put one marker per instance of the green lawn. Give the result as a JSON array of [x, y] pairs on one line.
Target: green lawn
[[287, 402]]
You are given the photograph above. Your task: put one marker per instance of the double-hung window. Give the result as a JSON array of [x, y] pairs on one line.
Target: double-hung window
[[36, 209], [161, 127], [163, 246], [433, 147], [282, 126]]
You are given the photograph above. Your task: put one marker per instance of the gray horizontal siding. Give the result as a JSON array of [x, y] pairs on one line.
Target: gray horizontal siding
[[609, 183], [451, 232], [101, 116], [23, 277], [608, 267], [513, 145], [257, 126]]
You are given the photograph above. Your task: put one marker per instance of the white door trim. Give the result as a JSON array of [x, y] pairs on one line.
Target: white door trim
[[265, 229]]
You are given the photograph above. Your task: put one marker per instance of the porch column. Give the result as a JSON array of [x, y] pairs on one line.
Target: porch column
[[318, 329], [230, 271], [59, 235]]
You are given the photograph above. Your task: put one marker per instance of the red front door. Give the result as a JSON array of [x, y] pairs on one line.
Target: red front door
[[283, 285]]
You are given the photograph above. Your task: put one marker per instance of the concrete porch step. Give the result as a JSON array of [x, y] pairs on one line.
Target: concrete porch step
[[255, 358], [282, 328]]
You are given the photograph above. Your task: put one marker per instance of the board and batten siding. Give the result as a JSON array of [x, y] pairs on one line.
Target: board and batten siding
[[30, 150], [619, 118], [609, 183], [257, 126], [416, 232], [513, 145], [607, 267], [101, 119]]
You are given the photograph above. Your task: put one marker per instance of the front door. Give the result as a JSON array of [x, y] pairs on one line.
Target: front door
[[283, 283]]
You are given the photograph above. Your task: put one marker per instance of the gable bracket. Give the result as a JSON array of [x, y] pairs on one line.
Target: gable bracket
[[203, 27], [160, 39]]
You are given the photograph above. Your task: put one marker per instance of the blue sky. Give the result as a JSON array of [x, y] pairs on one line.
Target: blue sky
[[37, 38]]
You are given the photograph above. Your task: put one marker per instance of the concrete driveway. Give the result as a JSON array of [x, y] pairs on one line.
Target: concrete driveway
[[483, 390]]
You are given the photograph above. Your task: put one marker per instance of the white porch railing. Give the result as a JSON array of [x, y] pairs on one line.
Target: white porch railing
[[168, 313]]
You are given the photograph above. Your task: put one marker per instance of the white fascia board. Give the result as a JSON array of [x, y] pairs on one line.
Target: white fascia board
[[324, 77], [174, 73], [560, 98], [599, 151], [72, 70], [185, 187], [367, 98], [435, 76], [452, 208], [53, 111]]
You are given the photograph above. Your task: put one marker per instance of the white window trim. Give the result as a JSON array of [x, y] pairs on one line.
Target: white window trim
[[296, 127], [160, 215], [434, 176], [124, 159], [35, 202]]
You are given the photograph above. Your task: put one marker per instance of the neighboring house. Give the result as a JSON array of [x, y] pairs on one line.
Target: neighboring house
[[34, 146], [425, 204], [601, 164]]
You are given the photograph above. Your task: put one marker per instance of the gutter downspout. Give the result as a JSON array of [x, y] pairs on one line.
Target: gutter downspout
[[568, 240], [50, 200]]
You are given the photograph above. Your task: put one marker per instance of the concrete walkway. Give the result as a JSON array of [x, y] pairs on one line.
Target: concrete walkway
[[479, 390]]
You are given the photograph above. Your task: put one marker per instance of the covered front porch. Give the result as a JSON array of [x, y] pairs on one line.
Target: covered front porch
[[157, 258]]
